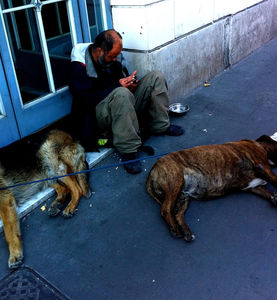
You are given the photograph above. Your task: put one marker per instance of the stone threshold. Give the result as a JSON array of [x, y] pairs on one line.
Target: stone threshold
[[93, 158]]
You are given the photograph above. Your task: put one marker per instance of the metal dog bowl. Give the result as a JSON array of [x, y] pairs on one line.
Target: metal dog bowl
[[178, 109]]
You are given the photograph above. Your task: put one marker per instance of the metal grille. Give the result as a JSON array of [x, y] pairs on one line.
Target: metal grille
[[25, 284]]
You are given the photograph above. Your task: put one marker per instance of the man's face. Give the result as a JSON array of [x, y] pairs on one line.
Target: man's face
[[106, 59]]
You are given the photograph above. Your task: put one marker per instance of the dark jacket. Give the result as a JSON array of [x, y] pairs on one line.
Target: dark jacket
[[90, 83]]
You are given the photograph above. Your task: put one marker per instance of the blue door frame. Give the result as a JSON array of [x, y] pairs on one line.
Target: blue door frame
[[22, 120], [8, 127]]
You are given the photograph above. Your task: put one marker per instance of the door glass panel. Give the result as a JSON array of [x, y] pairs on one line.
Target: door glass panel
[[27, 54], [94, 17], [59, 43]]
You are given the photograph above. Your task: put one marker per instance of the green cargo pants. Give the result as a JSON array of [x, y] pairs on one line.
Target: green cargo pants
[[119, 111]]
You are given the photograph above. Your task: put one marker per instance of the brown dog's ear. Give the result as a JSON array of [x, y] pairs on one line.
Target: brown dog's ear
[[264, 138]]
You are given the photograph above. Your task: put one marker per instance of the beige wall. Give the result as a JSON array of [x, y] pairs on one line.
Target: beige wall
[[191, 41]]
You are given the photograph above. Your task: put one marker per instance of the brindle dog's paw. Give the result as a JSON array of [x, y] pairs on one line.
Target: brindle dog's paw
[[15, 262], [274, 199], [188, 236], [176, 234]]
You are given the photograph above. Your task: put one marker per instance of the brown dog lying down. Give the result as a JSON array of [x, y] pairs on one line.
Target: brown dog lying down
[[56, 155], [211, 171]]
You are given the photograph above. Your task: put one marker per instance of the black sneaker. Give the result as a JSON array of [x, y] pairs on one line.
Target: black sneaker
[[174, 130], [132, 167]]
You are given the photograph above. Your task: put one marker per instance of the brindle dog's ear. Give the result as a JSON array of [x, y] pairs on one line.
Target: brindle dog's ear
[[264, 138]]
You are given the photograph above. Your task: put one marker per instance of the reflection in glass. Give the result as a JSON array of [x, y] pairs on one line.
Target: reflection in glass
[[27, 54]]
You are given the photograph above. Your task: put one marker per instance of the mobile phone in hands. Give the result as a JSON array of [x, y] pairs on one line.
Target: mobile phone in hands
[[135, 80]]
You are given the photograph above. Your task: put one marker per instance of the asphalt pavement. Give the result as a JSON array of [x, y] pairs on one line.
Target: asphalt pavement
[[118, 246]]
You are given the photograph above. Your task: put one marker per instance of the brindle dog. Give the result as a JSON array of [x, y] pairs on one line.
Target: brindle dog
[[57, 154], [211, 171]]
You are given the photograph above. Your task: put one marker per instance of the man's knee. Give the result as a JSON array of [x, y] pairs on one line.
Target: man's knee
[[122, 97], [122, 93], [156, 76]]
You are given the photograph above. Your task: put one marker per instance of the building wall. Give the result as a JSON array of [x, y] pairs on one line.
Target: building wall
[[191, 41]]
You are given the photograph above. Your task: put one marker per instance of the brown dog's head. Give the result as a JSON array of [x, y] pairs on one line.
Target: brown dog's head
[[270, 146]]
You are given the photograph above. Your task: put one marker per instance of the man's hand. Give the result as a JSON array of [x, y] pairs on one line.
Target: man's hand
[[130, 82]]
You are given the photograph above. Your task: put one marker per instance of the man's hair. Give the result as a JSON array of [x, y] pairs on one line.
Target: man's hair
[[105, 40]]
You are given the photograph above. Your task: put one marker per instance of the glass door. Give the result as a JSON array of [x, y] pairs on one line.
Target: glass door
[[36, 39]]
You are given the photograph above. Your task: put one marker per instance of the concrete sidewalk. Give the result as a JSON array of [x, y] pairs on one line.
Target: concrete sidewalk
[[118, 246]]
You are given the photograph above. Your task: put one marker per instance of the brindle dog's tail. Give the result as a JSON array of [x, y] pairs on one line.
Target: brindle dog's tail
[[151, 186]]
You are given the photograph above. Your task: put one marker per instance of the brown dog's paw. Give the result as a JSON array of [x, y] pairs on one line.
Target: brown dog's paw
[[69, 213], [15, 261], [189, 237], [53, 210]]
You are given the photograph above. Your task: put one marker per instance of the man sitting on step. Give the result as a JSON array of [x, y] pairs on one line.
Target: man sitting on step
[[106, 97]]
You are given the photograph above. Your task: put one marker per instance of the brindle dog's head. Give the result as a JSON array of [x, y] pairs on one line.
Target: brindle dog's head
[[270, 146]]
